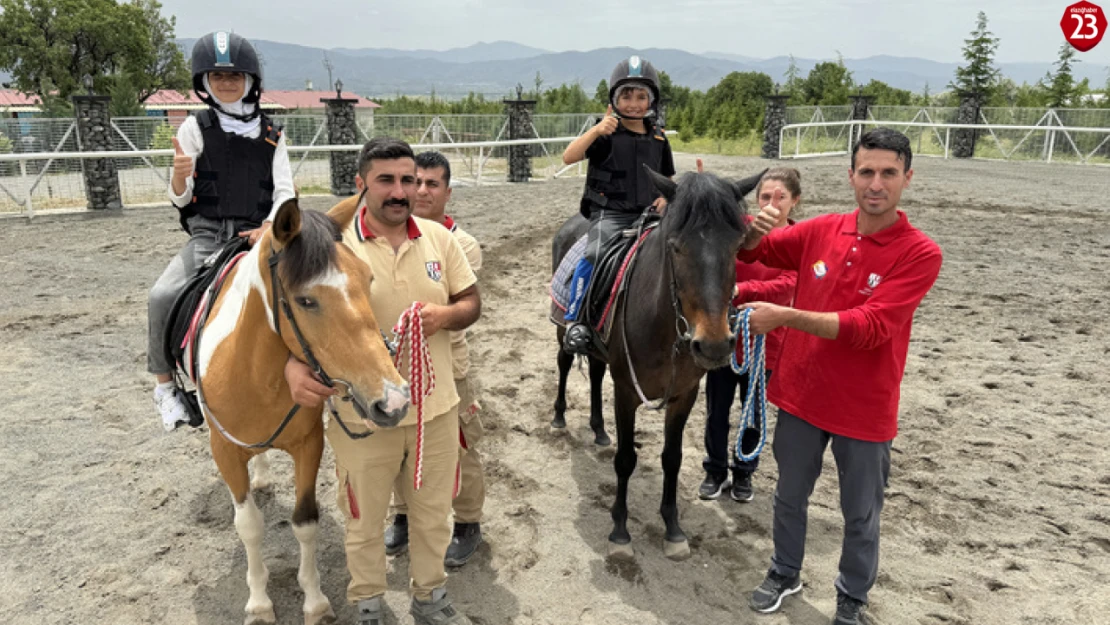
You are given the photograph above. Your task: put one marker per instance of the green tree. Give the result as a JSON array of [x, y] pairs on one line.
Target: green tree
[[162, 139], [601, 92], [925, 97], [979, 75], [735, 105], [885, 95], [792, 86], [57, 48], [827, 83], [1061, 85]]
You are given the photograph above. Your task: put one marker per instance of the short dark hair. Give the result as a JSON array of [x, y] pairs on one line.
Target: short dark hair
[[885, 139], [431, 160], [381, 149]]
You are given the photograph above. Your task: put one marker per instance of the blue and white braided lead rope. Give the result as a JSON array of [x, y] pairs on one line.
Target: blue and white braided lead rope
[[755, 365]]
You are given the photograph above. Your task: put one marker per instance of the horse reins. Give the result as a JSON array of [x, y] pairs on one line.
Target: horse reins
[[681, 337]]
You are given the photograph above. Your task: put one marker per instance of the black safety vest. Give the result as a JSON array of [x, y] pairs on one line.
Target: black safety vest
[[620, 183], [234, 178]]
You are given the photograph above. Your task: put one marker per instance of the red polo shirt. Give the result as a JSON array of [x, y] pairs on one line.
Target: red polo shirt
[[849, 386]]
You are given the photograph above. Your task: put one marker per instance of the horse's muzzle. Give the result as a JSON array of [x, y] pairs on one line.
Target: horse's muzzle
[[388, 411], [712, 354]]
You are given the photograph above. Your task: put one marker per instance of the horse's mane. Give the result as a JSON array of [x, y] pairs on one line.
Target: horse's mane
[[703, 202], [311, 252]]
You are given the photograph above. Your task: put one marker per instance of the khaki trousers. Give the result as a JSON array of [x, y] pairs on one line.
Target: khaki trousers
[[472, 492], [367, 470]]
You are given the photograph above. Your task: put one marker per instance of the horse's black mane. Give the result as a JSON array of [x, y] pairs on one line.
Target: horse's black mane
[[703, 202], [311, 252]]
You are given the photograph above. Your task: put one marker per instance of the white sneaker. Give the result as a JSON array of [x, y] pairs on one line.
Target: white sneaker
[[170, 407]]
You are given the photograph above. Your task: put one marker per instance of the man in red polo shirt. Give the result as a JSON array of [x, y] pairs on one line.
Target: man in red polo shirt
[[861, 276]]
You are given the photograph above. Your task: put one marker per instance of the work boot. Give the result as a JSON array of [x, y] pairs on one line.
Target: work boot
[[464, 543], [397, 535]]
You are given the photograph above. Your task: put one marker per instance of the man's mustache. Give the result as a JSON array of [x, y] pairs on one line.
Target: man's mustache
[[402, 202]]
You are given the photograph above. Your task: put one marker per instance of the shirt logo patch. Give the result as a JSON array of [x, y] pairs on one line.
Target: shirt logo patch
[[819, 269], [435, 271], [873, 280]]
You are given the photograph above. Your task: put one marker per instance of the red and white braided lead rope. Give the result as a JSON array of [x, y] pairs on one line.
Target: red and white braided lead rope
[[422, 377]]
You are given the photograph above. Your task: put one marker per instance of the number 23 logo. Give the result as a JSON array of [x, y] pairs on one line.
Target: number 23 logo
[[1084, 24]]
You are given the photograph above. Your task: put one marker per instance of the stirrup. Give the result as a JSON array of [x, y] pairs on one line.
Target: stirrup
[[578, 339]]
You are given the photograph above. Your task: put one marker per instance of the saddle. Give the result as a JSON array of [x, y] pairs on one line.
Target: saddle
[[607, 283], [188, 315]]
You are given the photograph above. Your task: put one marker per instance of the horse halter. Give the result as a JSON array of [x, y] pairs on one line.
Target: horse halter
[[278, 297]]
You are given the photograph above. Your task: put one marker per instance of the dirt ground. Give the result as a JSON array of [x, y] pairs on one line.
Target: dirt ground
[[996, 513]]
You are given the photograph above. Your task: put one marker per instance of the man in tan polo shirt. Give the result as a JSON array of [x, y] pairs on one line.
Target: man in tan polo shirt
[[433, 192], [412, 260]]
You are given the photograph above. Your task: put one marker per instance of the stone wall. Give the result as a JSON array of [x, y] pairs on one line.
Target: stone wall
[[520, 127], [774, 118], [963, 139], [342, 130], [94, 134]]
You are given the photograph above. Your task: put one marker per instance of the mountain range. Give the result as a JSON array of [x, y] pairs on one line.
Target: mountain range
[[495, 68]]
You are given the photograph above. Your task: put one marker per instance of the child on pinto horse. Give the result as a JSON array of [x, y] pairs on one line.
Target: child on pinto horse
[[618, 190], [230, 175]]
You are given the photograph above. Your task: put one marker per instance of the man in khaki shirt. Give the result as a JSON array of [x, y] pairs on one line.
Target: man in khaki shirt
[[433, 192], [412, 260]]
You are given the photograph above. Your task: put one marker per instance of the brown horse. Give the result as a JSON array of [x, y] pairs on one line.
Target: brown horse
[[670, 328], [299, 291]]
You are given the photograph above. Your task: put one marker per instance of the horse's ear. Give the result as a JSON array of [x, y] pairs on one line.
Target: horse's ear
[[745, 186], [287, 223], [665, 185]]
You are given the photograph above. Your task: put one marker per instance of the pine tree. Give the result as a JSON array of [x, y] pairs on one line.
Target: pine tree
[[1061, 86], [793, 78], [979, 75]]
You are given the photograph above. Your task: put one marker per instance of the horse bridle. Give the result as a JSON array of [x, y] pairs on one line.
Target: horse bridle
[[278, 297], [683, 336]]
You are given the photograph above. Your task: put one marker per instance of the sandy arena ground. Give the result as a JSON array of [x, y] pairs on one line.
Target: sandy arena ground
[[997, 511]]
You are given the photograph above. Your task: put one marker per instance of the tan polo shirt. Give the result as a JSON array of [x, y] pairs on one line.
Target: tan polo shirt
[[460, 351], [429, 267]]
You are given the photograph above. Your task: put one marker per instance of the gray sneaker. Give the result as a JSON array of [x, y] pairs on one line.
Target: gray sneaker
[[849, 611], [775, 587], [370, 611], [437, 611]]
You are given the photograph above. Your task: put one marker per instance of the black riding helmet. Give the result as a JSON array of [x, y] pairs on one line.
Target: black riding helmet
[[634, 70], [222, 51]]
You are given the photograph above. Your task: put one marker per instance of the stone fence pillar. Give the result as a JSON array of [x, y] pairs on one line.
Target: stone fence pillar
[[963, 139], [94, 134], [774, 118], [519, 112], [342, 130]]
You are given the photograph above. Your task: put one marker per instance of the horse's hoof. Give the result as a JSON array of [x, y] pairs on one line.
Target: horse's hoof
[[621, 551], [676, 551], [559, 423], [601, 439], [322, 617], [262, 616]]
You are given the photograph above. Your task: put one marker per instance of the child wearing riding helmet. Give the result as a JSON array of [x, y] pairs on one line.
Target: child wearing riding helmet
[[618, 189], [230, 175]]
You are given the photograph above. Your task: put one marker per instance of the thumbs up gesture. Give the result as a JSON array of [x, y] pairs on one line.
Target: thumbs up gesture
[[183, 164], [608, 124]]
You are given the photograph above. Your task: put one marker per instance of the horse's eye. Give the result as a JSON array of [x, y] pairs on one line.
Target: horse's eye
[[307, 303]]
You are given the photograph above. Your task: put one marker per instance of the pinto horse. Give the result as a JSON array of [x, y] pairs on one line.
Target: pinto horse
[[301, 291], [671, 326]]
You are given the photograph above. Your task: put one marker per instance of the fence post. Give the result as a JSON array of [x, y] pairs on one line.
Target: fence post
[[520, 127], [342, 130], [963, 141], [94, 134], [774, 118]]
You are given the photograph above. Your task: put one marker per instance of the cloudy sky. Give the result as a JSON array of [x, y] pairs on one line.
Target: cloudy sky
[[1029, 29]]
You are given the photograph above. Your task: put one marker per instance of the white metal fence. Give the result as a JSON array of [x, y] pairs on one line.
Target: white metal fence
[[473, 163], [41, 164], [1045, 141]]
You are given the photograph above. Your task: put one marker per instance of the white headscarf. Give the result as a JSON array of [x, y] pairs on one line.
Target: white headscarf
[[229, 123]]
